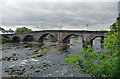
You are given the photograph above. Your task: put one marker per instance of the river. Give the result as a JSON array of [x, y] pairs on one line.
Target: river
[[21, 60]]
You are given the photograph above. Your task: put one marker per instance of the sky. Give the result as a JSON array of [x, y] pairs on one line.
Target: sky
[[56, 15]]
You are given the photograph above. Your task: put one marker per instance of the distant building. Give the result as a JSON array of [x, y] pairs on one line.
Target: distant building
[[7, 31]]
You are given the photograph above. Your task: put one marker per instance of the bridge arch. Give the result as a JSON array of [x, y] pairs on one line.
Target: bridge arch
[[16, 39], [101, 39], [67, 41], [42, 37], [66, 38], [28, 38]]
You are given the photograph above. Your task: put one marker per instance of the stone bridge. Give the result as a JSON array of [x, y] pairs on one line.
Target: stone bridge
[[62, 36]]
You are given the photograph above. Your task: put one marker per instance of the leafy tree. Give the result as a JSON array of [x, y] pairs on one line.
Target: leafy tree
[[1, 28], [3, 39], [74, 36], [47, 37], [29, 39], [100, 64], [23, 30]]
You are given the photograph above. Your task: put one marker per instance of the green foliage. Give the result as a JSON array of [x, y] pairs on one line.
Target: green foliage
[[74, 36], [30, 38], [3, 39], [47, 37], [100, 64], [1, 28], [23, 30]]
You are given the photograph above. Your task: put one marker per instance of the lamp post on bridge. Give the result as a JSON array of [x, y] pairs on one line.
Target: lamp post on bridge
[[87, 26], [39, 27], [61, 26]]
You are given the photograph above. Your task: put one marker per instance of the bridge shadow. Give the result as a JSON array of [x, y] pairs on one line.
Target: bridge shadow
[[16, 39]]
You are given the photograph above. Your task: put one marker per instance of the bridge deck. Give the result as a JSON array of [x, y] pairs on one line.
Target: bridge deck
[[73, 31]]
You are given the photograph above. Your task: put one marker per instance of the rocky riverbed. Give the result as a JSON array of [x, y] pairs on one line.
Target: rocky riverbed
[[26, 60]]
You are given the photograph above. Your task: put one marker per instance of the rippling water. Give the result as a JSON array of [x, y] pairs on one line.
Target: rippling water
[[48, 65]]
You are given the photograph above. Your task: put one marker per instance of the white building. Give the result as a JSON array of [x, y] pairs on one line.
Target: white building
[[7, 31]]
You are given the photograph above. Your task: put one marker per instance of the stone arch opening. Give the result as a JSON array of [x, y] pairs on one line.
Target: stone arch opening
[[65, 40], [15, 39], [97, 42], [72, 40], [47, 37], [28, 38]]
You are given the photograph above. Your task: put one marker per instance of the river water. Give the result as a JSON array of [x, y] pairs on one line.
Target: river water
[[19, 60]]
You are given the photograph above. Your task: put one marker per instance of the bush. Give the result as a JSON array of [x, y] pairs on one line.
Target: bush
[[23, 30], [3, 39], [102, 64]]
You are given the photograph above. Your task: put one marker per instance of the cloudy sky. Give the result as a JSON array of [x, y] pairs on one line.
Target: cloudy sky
[[47, 15]]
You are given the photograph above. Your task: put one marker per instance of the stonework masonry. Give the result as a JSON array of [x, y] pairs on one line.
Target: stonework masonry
[[62, 36]]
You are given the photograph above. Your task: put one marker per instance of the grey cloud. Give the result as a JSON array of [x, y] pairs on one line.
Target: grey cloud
[[50, 15]]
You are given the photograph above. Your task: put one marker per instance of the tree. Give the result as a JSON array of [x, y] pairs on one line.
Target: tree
[[100, 64], [23, 30], [1, 28], [4, 39]]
